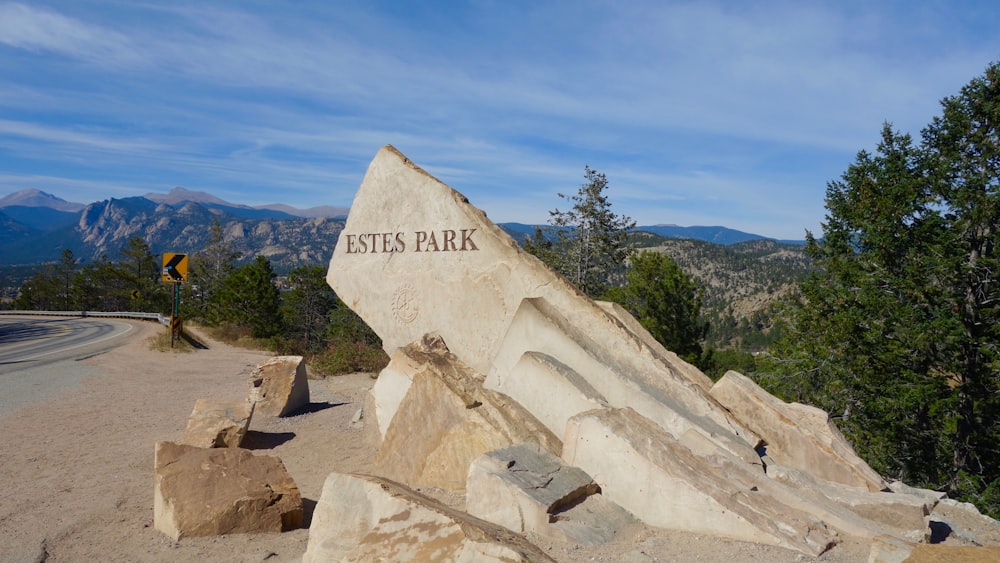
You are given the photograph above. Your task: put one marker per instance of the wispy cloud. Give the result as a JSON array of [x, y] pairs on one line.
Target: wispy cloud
[[694, 110]]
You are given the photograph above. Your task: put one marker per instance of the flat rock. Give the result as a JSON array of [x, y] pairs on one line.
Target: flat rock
[[447, 419], [214, 491], [279, 386], [366, 518], [796, 435], [218, 424], [528, 490]]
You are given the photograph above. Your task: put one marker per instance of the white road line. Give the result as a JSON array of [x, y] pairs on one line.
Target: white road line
[[88, 343]]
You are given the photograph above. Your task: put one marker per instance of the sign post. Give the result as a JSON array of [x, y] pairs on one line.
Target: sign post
[[175, 267]]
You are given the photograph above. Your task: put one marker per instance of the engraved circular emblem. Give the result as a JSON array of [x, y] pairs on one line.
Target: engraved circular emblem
[[404, 304]]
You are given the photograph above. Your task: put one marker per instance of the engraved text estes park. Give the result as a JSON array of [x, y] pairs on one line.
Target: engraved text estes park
[[445, 240]]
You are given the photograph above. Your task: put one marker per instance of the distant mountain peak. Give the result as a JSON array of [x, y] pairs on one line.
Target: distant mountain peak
[[32, 197], [181, 195]]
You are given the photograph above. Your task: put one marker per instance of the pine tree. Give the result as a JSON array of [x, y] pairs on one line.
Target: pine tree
[[590, 240], [896, 334], [666, 301]]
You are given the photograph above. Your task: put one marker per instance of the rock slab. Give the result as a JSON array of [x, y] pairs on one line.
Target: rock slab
[[446, 419], [796, 435], [218, 424], [528, 490], [214, 491], [279, 386], [367, 518]]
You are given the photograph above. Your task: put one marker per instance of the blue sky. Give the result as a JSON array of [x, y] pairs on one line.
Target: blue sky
[[700, 113]]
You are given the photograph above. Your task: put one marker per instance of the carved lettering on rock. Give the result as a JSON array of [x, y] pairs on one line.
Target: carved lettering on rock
[[445, 240]]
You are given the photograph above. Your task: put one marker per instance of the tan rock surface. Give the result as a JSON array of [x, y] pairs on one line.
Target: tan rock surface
[[217, 491], [796, 435], [278, 386], [367, 518], [530, 491], [447, 419], [653, 476], [218, 424]]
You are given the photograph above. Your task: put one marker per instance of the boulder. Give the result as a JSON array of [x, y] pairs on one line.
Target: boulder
[[652, 475], [796, 435], [366, 518], [278, 386], [416, 258], [528, 490], [218, 424], [214, 491], [447, 419]]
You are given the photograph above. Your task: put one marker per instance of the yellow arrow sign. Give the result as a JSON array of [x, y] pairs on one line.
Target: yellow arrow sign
[[175, 267]]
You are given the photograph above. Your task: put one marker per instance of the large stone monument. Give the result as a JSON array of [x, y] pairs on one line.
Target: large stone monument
[[471, 319]]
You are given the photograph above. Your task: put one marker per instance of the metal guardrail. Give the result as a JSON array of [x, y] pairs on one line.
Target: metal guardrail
[[162, 319]]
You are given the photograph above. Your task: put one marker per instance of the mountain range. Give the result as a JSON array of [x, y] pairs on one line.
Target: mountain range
[[36, 227]]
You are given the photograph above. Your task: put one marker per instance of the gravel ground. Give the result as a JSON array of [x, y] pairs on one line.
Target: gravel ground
[[78, 466]]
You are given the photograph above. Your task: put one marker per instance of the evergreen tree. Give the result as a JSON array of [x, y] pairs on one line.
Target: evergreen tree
[[896, 334], [307, 306], [590, 248], [207, 274], [666, 301], [249, 298]]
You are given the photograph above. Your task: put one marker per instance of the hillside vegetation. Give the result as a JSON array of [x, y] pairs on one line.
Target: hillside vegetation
[[743, 283]]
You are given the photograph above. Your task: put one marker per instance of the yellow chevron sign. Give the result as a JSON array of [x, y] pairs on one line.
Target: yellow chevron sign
[[175, 267]]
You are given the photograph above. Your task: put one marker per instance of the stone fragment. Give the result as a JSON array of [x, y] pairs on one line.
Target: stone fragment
[[218, 424], [796, 435], [366, 518], [447, 419], [528, 490], [214, 491], [681, 367], [279, 387]]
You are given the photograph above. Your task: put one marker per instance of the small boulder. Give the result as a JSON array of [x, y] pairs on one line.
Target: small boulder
[[279, 387], [367, 518], [528, 490], [214, 491], [218, 424]]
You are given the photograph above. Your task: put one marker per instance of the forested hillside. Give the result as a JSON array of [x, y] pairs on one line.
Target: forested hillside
[[742, 284]]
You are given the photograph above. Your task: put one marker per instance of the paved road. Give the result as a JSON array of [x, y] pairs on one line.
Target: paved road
[[38, 354]]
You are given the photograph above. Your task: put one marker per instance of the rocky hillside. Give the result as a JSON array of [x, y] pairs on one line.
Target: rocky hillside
[[103, 228], [742, 283]]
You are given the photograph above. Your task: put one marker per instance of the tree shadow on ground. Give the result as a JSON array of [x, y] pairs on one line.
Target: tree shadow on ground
[[255, 440]]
